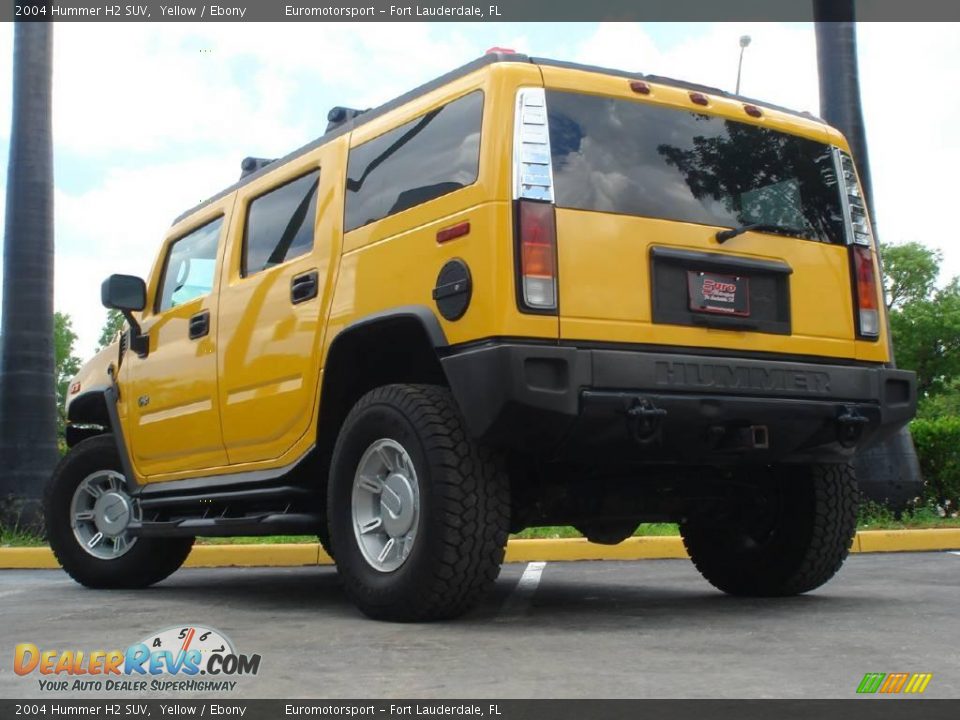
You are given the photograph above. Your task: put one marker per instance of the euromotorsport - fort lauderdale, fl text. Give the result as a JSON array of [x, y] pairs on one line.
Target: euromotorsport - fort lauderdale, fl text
[[395, 11]]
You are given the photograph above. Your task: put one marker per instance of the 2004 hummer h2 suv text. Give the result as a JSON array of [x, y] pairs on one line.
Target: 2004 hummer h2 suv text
[[528, 293]]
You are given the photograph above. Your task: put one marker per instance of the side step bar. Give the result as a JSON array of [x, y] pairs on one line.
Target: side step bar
[[261, 524], [158, 501]]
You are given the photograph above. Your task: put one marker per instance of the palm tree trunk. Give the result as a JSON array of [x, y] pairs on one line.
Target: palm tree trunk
[[28, 448], [888, 472], [840, 82]]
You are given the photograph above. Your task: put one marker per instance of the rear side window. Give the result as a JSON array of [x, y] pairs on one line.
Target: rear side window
[[188, 271], [628, 157], [280, 224], [419, 161]]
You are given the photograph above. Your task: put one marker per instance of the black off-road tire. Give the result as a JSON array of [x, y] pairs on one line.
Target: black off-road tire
[[804, 547], [148, 561], [464, 507], [323, 536]]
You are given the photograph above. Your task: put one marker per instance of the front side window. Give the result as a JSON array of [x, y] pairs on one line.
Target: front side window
[[633, 158], [419, 161], [189, 270], [280, 224]]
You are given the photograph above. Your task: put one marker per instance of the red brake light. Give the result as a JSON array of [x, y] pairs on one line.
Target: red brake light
[[866, 280], [506, 51], [867, 292], [538, 254]]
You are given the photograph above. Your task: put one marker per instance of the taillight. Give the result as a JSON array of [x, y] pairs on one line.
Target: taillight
[[867, 291], [536, 227], [538, 254], [866, 285]]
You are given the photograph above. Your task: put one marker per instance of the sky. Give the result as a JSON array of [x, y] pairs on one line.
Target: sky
[[150, 119]]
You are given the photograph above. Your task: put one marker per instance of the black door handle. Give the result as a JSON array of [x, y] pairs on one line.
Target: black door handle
[[303, 287], [200, 325]]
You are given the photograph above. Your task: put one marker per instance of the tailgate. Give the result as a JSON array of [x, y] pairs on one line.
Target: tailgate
[[643, 184], [646, 280]]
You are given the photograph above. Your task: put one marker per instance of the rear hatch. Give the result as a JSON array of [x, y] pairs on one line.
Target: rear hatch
[[645, 176]]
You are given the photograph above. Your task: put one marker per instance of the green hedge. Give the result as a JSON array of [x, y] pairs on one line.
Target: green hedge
[[938, 446]]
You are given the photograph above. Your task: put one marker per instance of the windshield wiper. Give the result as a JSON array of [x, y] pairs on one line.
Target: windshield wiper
[[724, 235]]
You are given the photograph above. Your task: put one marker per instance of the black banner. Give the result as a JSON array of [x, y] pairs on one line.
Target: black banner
[[479, 11], [125, 709]]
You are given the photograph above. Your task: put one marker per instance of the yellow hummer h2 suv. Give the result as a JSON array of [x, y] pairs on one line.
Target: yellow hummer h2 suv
[[527, 293]]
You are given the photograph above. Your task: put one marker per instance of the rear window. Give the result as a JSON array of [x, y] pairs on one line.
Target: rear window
[[419, 161], [628, 157]]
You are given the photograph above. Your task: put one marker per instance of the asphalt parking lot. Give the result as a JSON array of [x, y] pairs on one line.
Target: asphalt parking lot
[[649, 628]]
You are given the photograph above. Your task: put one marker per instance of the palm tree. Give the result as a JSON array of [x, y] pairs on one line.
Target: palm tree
[[28, 413], [889, 471]]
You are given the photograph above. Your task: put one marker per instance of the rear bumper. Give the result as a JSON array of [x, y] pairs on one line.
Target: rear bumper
[[676, 408]]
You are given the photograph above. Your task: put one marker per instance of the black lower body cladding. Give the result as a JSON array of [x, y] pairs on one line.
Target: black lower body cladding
[[649, 406]]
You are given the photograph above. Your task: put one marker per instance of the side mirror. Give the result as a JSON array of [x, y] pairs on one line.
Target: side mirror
[[125, 293], [128, 294]]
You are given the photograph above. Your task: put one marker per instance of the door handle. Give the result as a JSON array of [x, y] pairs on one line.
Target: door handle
[[200, 325], [303, 287]]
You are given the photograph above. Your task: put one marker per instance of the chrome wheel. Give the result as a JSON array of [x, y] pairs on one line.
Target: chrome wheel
[[100, 513], [385, 505]]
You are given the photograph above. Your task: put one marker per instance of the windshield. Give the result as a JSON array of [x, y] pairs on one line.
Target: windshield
[[633, 158]]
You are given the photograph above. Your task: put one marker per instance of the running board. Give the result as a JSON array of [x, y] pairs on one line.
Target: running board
[[261, 524], [234, 496]]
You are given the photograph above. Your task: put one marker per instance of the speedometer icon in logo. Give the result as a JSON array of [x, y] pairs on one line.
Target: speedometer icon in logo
[[180, 639]]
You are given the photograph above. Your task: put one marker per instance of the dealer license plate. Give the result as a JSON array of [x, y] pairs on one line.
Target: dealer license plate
[[719, 294]]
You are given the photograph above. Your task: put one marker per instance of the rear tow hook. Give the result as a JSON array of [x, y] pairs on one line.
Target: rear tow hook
[[645, 419], [850, 425]]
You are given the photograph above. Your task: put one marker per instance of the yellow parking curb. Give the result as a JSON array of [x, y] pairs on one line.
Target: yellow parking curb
[[281, 555], [907, 540], [557, 550], [27, 558], [636, 548]]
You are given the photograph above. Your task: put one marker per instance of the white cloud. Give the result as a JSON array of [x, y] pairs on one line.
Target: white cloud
[[117, 226], [140, 88], [910, 111], [779, 65], [144, 88]]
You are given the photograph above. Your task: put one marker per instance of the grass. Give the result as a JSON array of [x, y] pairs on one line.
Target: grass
[[872, 517], [14, 537], [878, 517], [258, 540], [560, 531]]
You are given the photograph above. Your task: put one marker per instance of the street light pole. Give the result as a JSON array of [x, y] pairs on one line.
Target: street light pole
[[744, 41]]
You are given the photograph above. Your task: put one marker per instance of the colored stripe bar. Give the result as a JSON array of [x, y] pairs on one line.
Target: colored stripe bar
[[871, 682]]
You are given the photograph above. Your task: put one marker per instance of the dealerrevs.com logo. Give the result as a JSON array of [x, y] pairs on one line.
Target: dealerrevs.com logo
[[171, 660]]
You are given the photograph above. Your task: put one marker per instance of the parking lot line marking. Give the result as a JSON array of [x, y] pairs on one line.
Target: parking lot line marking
[[519, 600], [955, 552]]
